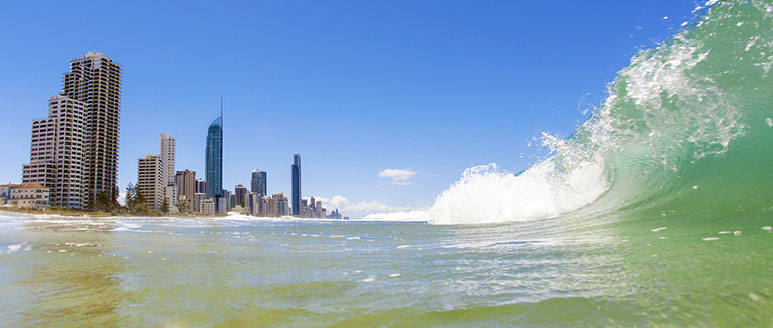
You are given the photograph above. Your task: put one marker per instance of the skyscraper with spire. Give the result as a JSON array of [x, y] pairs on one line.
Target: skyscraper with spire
[[214, 155], [295, 170]]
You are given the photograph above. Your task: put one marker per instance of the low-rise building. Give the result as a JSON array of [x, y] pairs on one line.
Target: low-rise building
[[207, 206], [29, 195], [5, 192], [198, 198], [241, 210]]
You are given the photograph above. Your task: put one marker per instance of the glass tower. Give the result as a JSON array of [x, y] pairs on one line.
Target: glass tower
[[258, 182], [296, 174], [214, 158]]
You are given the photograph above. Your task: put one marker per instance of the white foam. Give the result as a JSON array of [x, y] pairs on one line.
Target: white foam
[[710, 239], [411, 216], [394, 275], [15, 248], [403, 246], [767, 228], [487, 195], [369, 279], [658, 229]]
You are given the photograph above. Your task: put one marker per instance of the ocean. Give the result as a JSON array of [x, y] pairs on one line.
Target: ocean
[[657, 211]]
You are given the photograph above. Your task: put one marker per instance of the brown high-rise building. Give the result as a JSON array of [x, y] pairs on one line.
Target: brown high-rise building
[[186, 189], [151, 181], [95, 80]]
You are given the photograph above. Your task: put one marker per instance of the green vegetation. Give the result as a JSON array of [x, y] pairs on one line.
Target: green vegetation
[[107, 206]]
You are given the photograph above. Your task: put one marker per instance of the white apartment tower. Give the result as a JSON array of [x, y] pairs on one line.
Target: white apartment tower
[[167, 154], [151, 181], [95, 80], [56, 153]]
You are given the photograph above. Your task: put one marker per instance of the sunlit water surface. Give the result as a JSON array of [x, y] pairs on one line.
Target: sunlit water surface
[[234, 272]]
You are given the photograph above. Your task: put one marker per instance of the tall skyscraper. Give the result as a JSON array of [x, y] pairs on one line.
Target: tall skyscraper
[[258, 182], [150, 181], [95, 80], [167, 156], [214, 156], [296, 187], [56, 154]]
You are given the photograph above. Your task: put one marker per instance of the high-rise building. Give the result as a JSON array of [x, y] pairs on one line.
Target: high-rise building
[[253, 203], [167, 156], [282, 207], [186, 189], [258, 182], [150, 181], [296, 186], [263, 206], [319, 210], [56, 153], [202, 186], [95, 80], [241, 196], [214, 157], [170, 197], [271, 210], [223, 202]]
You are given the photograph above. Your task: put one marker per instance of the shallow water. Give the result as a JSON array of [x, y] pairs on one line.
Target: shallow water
[[237, 271]]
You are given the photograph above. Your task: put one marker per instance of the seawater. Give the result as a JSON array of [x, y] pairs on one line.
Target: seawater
[[238, 271], [657, 211]]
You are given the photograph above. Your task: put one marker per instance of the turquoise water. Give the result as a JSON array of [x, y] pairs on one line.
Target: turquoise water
[[656, 212]]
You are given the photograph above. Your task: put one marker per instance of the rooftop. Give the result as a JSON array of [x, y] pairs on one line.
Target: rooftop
[[32, 186]]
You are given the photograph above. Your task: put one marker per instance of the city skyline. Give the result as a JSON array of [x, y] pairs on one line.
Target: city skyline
[[389, 120]]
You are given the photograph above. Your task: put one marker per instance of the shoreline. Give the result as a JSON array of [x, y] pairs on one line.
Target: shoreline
[[103, 214]]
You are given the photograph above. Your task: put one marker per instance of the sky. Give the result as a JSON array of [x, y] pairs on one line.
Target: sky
[[388, 102]]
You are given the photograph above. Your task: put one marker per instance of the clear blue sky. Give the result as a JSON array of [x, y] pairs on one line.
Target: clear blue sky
[[356, 87]]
